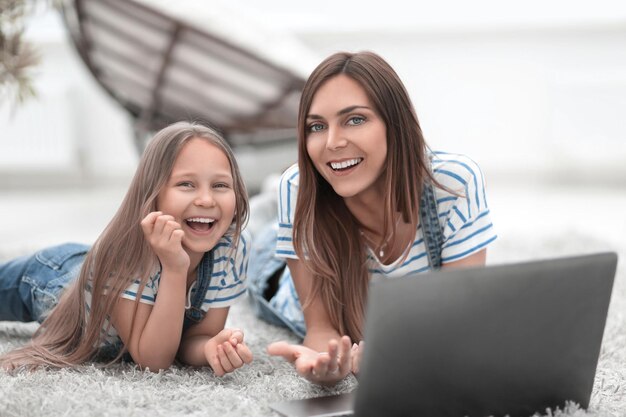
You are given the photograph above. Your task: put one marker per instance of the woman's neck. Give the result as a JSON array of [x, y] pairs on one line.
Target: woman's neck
[[367, 209]]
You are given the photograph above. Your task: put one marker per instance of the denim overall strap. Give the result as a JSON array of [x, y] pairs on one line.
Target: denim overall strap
[[431, 228], [194, 314]]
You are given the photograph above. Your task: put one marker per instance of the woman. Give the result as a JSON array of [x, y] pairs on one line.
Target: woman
[[366, 201]]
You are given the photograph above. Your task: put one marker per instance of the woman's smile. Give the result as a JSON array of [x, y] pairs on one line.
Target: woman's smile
[[345, 166]]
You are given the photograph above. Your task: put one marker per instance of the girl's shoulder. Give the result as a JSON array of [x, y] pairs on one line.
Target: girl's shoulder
[[225, 246]]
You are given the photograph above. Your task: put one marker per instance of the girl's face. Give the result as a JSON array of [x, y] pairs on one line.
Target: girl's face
[[199, 195], [346, 138]]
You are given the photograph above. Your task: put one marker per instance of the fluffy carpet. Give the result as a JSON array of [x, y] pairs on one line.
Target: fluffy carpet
[[124, 390]]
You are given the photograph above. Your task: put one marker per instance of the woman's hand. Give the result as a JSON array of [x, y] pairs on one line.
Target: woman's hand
[[165, 237], [226, 351], [357, 354], [325, 368]]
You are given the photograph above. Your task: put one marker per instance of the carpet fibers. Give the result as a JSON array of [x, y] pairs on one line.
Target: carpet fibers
[[124, 390]]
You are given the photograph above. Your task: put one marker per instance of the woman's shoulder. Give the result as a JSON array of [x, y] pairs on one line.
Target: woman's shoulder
[[290, 175], [452, 169], [288, 188]]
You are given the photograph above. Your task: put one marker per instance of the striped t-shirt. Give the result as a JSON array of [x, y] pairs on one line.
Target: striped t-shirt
[[227, 285], [465, 219]]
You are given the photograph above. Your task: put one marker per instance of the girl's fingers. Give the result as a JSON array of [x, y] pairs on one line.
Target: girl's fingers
[[170, 227], [215, 363], [232, 355], [161, 224], [177, 236], [147, 224], [237, 337], [244, 353], [224, 361]]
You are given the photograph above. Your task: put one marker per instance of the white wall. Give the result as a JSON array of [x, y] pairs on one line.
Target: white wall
[[536, 96], [546, 102]]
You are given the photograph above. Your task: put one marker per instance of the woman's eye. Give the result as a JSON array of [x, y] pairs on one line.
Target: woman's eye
[[316, 127], [356, 120]]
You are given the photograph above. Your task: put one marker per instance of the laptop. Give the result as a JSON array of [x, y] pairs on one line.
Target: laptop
[[507, 339]]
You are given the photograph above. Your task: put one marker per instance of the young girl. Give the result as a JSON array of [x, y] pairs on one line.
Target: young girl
[[178, 235], [366, 201]]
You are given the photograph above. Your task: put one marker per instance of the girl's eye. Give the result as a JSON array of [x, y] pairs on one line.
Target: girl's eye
[[185, 184], [316, 127], [222, 185], [356, 120]]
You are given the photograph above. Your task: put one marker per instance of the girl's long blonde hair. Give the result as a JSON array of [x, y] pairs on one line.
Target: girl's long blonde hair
[[326, 235], [118, 257]]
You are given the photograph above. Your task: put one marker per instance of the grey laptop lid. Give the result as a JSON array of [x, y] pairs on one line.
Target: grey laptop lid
[[327, 406], [510, 339]]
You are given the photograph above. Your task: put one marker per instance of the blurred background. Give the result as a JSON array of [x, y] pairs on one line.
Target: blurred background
[[534, 91]]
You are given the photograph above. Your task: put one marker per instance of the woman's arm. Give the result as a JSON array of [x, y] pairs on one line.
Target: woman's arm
[[477, 259], [208, 343], [325, 355], [319, 329]]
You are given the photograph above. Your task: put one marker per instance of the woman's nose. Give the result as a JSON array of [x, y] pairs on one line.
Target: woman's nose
[[335, 139]]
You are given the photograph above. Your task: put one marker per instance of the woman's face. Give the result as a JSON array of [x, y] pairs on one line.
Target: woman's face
[[346, 138]]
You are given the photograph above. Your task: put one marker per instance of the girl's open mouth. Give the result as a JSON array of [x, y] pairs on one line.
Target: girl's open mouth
[[200, 224]]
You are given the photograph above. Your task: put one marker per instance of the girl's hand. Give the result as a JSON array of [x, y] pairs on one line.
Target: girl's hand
[[226, 351], [325, 368], [165, 237]]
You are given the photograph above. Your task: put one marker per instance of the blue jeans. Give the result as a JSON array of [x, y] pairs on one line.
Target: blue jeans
[[30, 286], [263, 266]]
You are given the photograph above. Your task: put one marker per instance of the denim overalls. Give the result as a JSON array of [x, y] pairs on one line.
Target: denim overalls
[[265, 265], [30, 286]]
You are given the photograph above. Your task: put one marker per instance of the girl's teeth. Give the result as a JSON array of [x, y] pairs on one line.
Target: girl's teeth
[[201, 220]]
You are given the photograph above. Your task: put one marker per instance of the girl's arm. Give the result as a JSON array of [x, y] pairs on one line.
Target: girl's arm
[[157, 329], [208, 343], [325, 355]]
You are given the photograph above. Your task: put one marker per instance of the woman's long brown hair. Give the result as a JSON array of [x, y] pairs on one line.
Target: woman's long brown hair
[[119, 256], [326, 235]]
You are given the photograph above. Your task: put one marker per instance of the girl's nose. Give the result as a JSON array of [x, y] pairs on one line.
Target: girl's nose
[[205, 199]]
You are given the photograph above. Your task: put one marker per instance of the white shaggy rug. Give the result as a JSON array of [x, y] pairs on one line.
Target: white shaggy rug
[[124, 390]]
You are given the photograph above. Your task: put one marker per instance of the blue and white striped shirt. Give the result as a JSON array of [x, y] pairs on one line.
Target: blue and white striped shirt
[[464, 219], [227, 279]]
